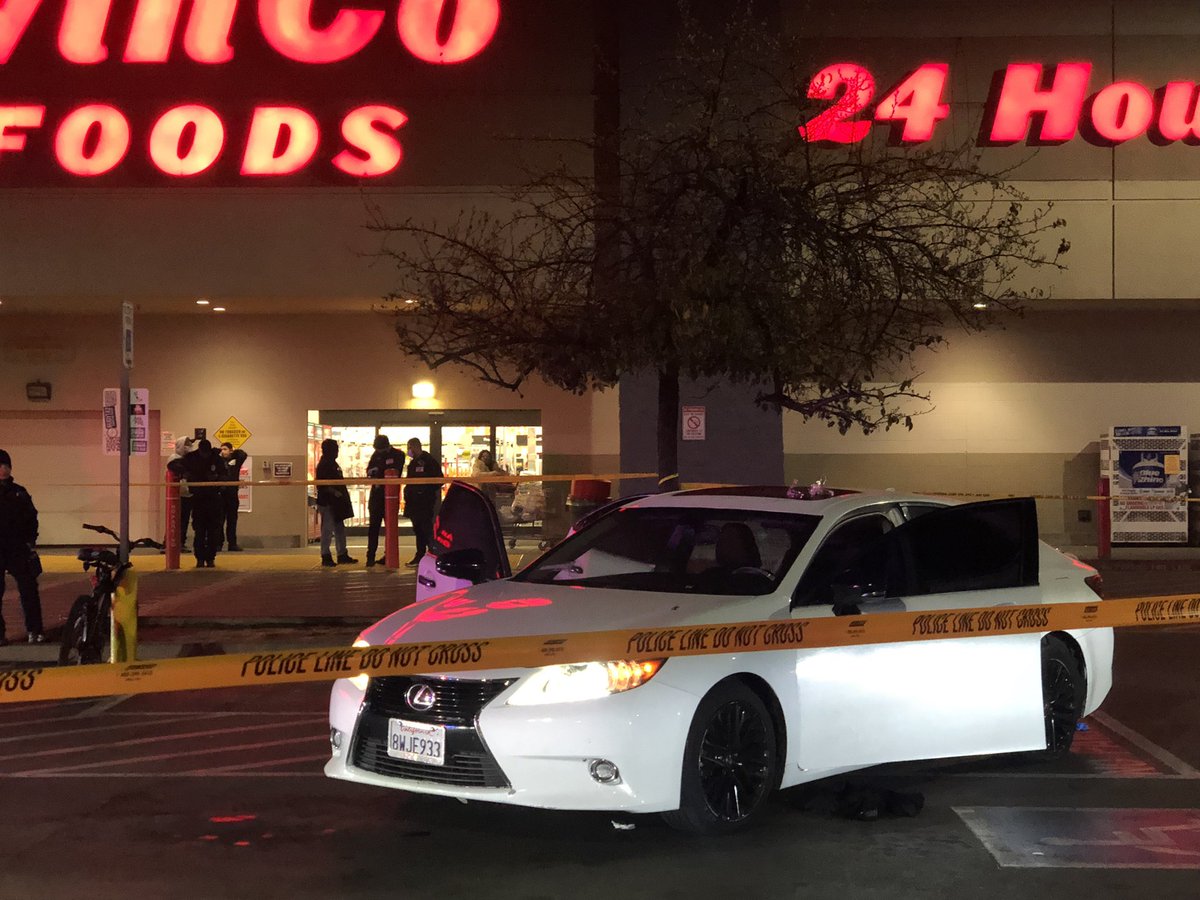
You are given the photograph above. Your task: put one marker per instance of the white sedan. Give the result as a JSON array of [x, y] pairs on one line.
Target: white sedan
[[705, 739]]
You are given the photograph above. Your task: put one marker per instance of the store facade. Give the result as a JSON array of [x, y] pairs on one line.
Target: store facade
[[164, 153], [229, 162]]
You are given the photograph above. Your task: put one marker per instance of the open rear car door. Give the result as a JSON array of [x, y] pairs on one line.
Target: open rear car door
[[467, 547]]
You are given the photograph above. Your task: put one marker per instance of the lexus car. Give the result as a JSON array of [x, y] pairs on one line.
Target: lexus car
[[704, 740]]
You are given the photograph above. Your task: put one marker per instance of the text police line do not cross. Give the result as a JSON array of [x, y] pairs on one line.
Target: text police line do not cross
[[289, 666]]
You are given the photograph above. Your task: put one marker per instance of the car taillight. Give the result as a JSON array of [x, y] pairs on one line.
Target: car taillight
[[1096, 583]]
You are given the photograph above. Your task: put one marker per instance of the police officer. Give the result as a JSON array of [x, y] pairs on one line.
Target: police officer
[[18, 535], [420, 500], [385, 457], [233, 461], [205, 465]]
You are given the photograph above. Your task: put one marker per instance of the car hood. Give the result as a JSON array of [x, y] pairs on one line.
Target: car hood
[[510, 609]]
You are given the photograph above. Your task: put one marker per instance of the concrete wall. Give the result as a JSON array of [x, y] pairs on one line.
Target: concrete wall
[[267, 371]]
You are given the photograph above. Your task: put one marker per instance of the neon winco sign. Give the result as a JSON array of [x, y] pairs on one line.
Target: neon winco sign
[[187, 139], [1028, 102]]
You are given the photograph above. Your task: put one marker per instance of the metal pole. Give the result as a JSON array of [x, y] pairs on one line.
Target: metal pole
[[391, 516], [123, 411]]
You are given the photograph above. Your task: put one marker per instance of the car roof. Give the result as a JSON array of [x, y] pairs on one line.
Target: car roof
[[776, 498]]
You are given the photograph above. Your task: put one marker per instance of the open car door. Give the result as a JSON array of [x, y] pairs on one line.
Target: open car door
[[466, 535], [929, 699]]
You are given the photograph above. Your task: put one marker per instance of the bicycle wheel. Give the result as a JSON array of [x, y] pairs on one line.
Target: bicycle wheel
[[75, 648], [100, 639]]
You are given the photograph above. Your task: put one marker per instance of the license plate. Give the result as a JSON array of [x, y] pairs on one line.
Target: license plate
[[417, 742]]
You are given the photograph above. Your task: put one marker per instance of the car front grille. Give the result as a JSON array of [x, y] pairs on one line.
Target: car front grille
[[458, 702]]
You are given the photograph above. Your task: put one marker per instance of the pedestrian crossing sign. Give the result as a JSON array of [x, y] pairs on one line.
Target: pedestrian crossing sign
[[233, 432]]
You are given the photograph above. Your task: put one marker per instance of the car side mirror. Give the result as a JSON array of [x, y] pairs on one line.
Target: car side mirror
[[848, 598], [466, 564]]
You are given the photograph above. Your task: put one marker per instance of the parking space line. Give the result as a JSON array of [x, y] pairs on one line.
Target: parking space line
[[53, 774], [224, 770], [100, 707], [97, 728], [162, 756], [15, 711], [1166, 757], [316, 717], [59, 751]]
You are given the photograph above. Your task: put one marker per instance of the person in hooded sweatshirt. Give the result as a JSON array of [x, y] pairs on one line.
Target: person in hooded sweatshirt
[[183, 446], [333, 501], [18, 535]]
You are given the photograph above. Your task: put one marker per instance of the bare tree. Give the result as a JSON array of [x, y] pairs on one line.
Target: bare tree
[[728, 247]]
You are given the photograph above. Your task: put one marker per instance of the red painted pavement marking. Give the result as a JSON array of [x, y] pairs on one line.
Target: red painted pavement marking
[[1105, 755], [1048, 837]]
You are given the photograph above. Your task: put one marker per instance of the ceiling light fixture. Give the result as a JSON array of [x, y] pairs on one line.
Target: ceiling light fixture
[[218, 309], [202, 302]]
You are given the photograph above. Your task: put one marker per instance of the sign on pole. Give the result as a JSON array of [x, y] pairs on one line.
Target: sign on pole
[[111, 437], [139, 422], [694, 422], [233, 432], [127, 335]]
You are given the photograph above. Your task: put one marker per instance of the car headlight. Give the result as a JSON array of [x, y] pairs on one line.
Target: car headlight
[[584, 681], [360, 680]]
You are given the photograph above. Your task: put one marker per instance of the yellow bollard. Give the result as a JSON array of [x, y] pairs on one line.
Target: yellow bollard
[[123, 645]]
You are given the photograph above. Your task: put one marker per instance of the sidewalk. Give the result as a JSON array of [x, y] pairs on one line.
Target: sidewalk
[[255, 599]]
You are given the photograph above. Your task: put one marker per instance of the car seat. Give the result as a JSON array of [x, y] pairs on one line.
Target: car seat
[[736, 548]]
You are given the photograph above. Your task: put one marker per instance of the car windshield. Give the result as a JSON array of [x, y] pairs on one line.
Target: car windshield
[[678, 549]]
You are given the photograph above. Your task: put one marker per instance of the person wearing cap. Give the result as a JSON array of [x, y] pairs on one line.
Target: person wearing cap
[[202, 465], [233, 461], [18, 535], [420, 500]]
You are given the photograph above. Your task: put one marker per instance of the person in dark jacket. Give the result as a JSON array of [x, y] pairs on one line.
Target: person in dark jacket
[[232, 460], [420, 500], [201, 466], [333, 500], [18, 536], [385, 457]]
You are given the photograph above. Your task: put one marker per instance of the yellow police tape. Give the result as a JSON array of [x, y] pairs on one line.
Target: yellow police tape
[[399, 481], [288, 666]]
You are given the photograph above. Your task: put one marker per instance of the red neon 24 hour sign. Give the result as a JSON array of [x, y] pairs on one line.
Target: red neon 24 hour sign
[[185, 139], [1028, 102]]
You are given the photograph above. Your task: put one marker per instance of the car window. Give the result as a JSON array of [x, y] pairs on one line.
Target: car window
[[845, 557], [678, 549], [974, 547]]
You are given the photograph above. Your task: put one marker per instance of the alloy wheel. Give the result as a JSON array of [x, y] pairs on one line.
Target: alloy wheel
[[1061, 706], [735, 761]]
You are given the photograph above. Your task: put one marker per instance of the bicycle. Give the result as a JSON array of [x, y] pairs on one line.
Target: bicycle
[[87, 635]]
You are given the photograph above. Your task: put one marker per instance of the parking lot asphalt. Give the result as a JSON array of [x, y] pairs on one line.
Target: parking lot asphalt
[[220, 793]]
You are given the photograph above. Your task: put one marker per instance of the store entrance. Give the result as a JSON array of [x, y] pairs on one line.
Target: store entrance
[[455, 436]]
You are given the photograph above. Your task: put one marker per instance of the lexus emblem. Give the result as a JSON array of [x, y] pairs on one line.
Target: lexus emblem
[[420, 697]]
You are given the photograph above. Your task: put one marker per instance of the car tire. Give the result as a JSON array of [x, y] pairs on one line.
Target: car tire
[[730, 762], [1064, 692]]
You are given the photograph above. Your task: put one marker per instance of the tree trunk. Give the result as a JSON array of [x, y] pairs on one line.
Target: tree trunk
[[668, 428]]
